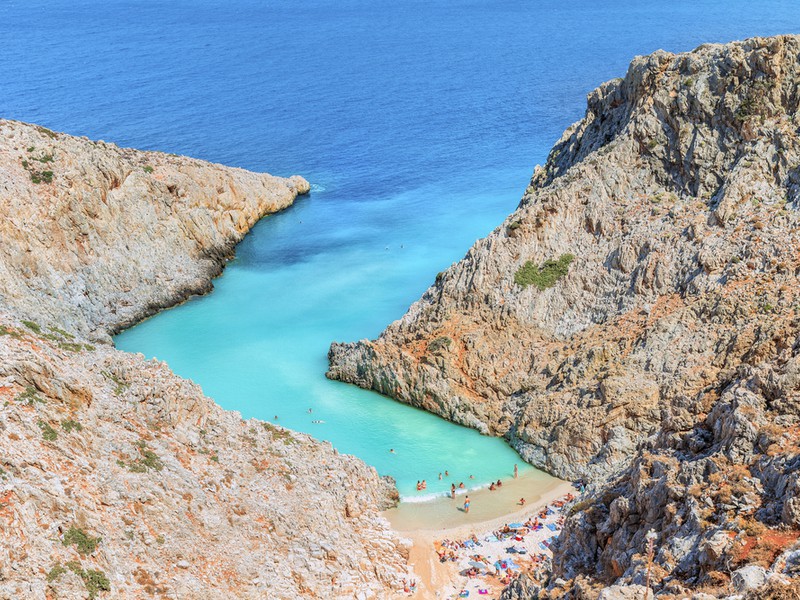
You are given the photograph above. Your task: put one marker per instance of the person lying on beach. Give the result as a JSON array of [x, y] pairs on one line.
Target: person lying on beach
[[522, 501]]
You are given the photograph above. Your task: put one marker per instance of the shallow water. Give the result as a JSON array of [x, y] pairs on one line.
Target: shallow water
[[419, 124]]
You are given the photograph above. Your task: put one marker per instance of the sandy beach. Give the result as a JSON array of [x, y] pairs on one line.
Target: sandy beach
[[430, 522]]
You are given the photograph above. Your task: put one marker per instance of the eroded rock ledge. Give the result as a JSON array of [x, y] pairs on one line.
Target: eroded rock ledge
[[662, 366], [118, 478]]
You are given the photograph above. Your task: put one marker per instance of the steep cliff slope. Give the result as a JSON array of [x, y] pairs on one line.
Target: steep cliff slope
[[635, 320], [118, 478]]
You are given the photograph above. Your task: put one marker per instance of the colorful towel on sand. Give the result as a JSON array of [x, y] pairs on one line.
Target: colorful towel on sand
[[552, 527]]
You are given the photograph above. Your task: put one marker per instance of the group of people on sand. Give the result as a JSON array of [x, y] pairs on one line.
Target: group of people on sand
[[493, 486], [510, 550]]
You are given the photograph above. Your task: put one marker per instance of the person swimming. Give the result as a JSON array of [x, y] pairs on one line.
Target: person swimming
[[461, 485]]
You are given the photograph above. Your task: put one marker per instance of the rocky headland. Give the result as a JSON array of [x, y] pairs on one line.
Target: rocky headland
[[118, 478], [635, 323]]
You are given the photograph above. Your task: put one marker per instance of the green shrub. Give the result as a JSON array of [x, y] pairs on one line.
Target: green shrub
[[84, 543], [544, 276], [147, 169], [48, 432], [69, 426], [94, 580], [56, 572], [147, 460], [440, 343]]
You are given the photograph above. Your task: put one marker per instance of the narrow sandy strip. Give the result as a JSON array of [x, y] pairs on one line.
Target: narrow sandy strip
[[437, 580]]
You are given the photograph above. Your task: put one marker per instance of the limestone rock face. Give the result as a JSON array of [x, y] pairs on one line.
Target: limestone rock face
[[96, 237], [634, 322], [117, 478]]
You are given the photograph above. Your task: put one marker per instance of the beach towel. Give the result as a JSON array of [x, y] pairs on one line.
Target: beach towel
[[542, 546], [552, 527], [491, 538]]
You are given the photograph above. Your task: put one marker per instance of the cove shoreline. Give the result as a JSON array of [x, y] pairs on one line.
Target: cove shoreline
[[489, 511]]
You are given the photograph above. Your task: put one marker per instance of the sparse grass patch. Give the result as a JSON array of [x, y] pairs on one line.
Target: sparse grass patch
[[83, 542], [62, 333], [279, 434], [33, 326], [147, 169], [46, 131], [544, 276], [29, 396], [121, 386]]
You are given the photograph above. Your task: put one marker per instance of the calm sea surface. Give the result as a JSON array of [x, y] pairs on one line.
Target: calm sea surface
[[418, 123]]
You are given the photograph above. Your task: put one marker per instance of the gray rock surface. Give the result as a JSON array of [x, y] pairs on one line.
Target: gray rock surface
[[751, 577]]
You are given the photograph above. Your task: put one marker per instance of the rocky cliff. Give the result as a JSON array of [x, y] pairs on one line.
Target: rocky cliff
[[96, 237], [635, 322], [118, 478]]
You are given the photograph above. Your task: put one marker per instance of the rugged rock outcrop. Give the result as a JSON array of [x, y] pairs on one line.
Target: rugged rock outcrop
[[96, 237], [118, 478], [635, 321]]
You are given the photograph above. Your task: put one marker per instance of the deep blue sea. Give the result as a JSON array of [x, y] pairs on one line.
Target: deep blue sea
[[418, 123]]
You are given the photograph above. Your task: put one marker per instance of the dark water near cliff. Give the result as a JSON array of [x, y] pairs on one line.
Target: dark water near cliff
[[418, 122]]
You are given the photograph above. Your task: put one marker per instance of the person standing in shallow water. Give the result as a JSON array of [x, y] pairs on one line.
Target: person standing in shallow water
[[516, 471], [453, 491], [466, 504]]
